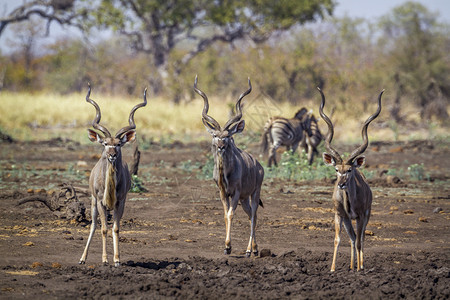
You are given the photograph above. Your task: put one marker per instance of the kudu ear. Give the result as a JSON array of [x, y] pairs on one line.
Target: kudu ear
[[94, 136], [328, 159], [129, 136], [209, 127], [359, 161], [238, 128]]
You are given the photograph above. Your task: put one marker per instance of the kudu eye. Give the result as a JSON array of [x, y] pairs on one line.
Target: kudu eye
[[349, 170]]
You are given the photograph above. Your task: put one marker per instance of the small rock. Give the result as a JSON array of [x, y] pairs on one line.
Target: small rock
[[396, 149], [393, 179], [437, 210], [36, 264], [368, 232], [408, 212], [265, 253], [410, 232], [82, 164], [423, 219], [56, 265]]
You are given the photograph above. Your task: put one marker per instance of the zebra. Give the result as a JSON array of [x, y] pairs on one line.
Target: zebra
[[310, 142], [279, 131]]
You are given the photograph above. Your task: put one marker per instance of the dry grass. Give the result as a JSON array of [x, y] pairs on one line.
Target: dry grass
[[41, 116]]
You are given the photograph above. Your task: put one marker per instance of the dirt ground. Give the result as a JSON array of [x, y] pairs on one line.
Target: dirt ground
[[172, 237]]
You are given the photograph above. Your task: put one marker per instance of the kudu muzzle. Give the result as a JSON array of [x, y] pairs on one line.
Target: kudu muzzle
[[221, 146], [111, 154]]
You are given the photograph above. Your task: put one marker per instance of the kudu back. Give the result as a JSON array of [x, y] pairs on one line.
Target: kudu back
[[352, 196], [110, 179], [238, 174]]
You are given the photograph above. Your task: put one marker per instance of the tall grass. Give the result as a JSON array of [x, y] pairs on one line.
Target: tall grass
[[27, 116]]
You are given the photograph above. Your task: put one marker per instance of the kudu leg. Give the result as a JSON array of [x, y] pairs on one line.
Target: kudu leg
[[94, 216], [226, 206], [360, 235], [115, 233], [104, 223], [351, 233], [251, 208], [229, 215], [337, 239]]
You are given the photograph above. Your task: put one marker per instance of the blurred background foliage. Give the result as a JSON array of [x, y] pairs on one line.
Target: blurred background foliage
[[280, 45]]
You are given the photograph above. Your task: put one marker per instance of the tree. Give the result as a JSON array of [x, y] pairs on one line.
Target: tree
[[417, 46], [60, 11], [157, 27]]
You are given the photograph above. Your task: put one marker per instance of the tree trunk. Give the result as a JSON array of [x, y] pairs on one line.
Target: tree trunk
[[136, 158]]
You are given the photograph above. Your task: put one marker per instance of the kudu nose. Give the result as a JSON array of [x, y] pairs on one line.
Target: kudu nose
[[342, 185], [112, 157], [220, 146]]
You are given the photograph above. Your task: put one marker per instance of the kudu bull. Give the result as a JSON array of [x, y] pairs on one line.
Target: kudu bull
[[352, 196], [110, 179], [237, 174]]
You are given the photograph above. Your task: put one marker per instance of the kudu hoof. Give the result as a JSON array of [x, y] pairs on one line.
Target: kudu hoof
[[227, 251], [248, 253], [81, 262], [255, 253], [117, 264]]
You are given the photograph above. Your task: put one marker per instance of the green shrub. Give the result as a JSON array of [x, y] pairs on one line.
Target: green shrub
[[417, 172], [136, 185]]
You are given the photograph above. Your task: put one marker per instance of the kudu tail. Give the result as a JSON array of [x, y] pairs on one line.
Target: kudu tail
[[261, 203]]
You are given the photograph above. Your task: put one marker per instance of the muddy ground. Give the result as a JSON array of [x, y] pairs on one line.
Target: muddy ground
[[172, 237]]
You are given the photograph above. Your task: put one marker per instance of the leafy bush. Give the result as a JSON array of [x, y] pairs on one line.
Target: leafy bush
[[136, 185], [295, 167], [417, 172]]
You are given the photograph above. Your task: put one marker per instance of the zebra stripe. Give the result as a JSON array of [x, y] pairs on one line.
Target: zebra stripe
[[279, 131]]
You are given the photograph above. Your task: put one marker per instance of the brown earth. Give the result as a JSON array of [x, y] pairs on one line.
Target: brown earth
[[172, 237]]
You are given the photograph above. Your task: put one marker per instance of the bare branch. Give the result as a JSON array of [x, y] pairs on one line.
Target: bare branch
[[43, 9]]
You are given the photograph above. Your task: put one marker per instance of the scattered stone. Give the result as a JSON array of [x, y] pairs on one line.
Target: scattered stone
[[393, 179], [410, 232], [396, 149], [265, 253], [423, 219], [82, 164], [437, 210], [408, 212], [28, 244], [56, 265], [36, 264], [368, 232], [382, 172]]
